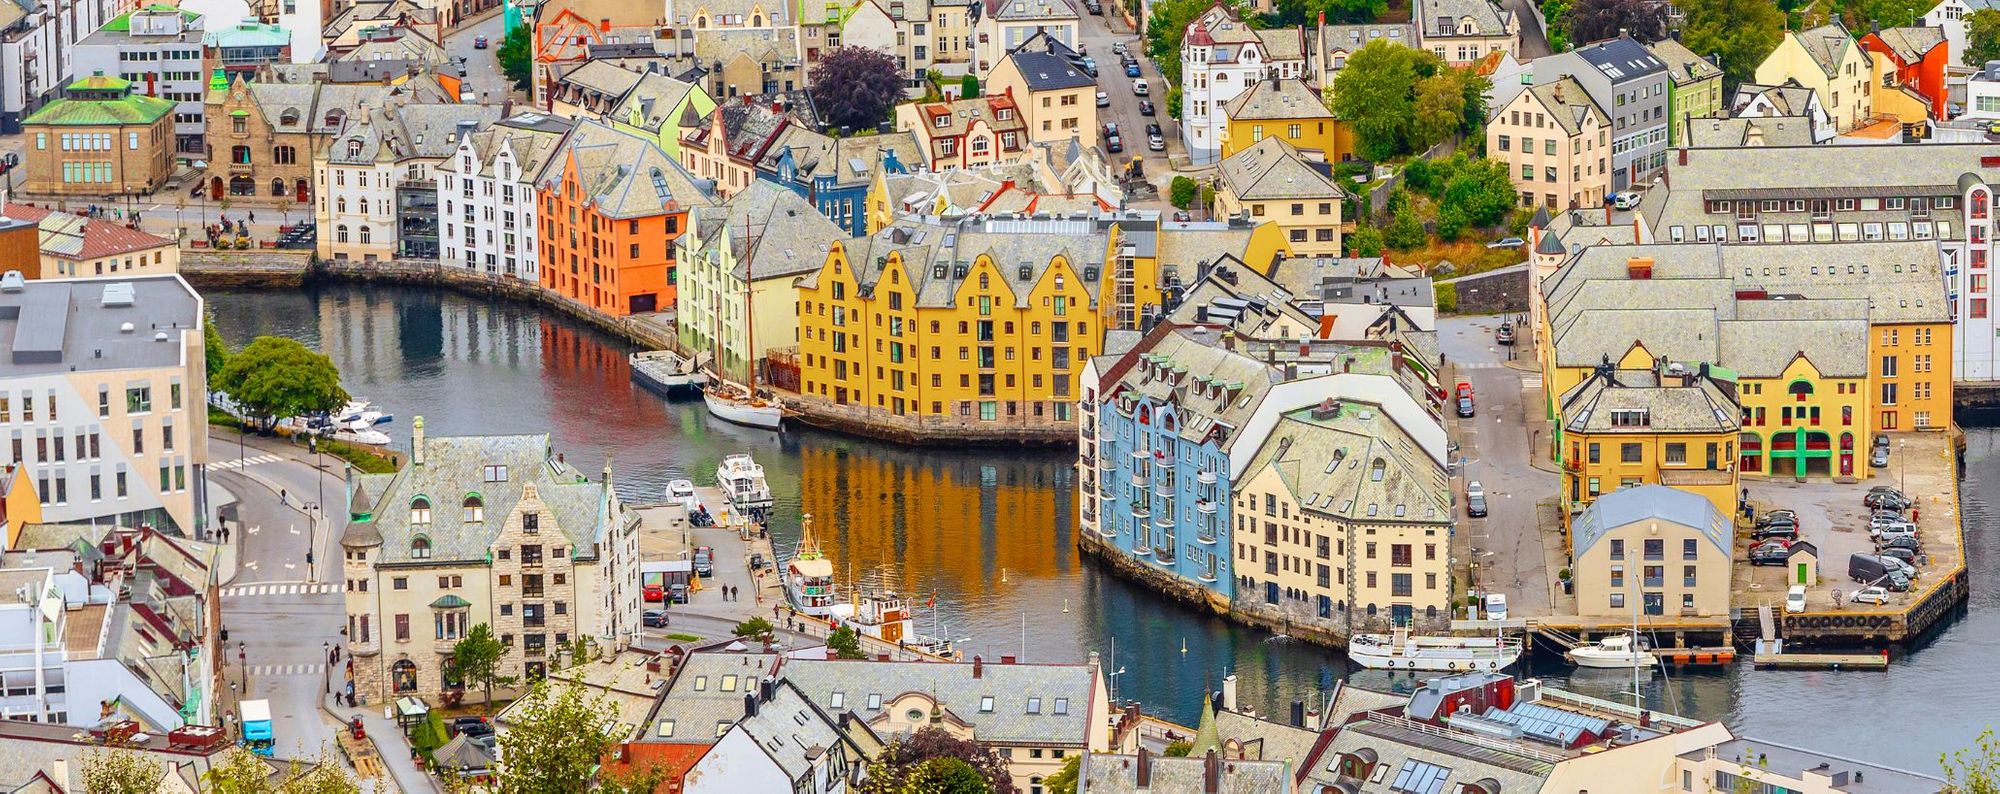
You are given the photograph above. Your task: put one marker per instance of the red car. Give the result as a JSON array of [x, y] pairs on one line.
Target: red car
[[1464, 389], [655, 592]]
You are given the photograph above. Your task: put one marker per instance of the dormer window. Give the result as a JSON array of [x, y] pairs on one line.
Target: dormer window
[[420, 510], [475, 509], [420, 548], [354, 147]]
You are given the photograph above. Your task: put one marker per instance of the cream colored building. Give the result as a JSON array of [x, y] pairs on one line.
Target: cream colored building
[[1828, 60], [494, 530], [738, 261], [1555, 141], [378, 196], [1005, 25], [1343, 514], [1057, 99], [1272, 182], [106, 401], [1651, 550]]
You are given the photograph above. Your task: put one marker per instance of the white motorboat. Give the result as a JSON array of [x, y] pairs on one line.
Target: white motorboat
[[742, 481], [362, 436], [681, 492], [1618, 652], [809, 580], [668, 371], [737, 408], [1401, 651], [359, 412]]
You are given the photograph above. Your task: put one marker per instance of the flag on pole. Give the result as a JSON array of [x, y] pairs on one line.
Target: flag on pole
[[933, 603]]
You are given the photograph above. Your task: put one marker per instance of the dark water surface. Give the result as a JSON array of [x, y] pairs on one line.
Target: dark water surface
[[992, 531]]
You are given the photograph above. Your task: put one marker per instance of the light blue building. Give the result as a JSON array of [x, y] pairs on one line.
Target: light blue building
[[835, 174], [1154, 452]]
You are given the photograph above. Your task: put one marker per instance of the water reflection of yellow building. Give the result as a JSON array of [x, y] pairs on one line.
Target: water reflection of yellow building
[[922, 523]]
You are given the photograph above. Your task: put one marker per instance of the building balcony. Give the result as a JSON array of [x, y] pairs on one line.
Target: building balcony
[[1207, 577], [1205, 507], [445, 647], [1143, 456], [1206, 478], [1682, 478], [1166, 522], [1142, 512], [1140, 479], [1087, 460], [1163, 555]]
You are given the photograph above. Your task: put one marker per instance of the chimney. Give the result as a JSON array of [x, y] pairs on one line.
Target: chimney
[[417, 442], [1145, 768], [1006, 659], [1684, 155], [978, 667], [1639, 268], [604, 24], [1211, 772], [777, 105], [1298, 713], [749, 704], [1229, 692]]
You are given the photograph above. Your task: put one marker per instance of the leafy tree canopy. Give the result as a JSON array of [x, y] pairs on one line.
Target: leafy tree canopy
[[558, 740], [274, 377], [1982, 37], [856, 87], [1596, 20], [515, 54], [845, 643], [903, 767], [1741, 31]]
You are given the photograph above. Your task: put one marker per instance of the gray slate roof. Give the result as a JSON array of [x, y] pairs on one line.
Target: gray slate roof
[[1274, 170], [1707, 406], [624, 174], [1828, 45], [1013, 687], [1046, 71], [1749, 131], [771, 231], [1683, 65], [1439, 18], [1627, 506], [696, 707], [454, 468], [1394, 744], [1277, 100], [1103, 773], [1195, 356], [925, 243], [1569, 104]]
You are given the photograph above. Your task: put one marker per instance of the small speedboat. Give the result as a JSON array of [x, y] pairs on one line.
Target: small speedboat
[[681, 492], [364, 436], [360, 412], [1611, 652]]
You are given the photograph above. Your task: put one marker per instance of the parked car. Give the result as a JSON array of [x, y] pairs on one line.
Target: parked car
[[757, 561], [653, 592], [1103, 99], [1868, 568], [1464, 388], [1899, 530], [1795, 599], [1475, 499], [1910, 542], [1879, 458], [1908, 569], [1132, 70], [1090, 66], [1778, 516], [1626, 200], [1093, 6], [1465, 407], [1146, 108], [654, 618], [704, 561], [1113, 143], [1772, 553], [1506, 242], [678, 593], [1892, 500], [472, 726], [1183, 216], [1784, 531], [1870, 595], [1156, 143], [1900, 554], [1153, 128], [1496, 606], [1139, 86], [1118, 48], [1504, 334]]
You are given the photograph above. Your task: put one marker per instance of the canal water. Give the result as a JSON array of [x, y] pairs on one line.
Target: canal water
[[992, 532]]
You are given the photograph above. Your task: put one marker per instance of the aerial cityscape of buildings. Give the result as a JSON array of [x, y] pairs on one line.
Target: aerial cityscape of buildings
[[1463, 342]]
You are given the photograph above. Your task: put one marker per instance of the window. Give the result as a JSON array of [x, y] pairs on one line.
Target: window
[[1630, 453], [420, 548], [420, 510], [475, 509]]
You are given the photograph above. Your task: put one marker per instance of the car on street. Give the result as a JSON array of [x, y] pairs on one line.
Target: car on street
[[1785, 531], [678, 593], [1879, 457], [1795, 599], [1182, 216], [1475, 499], [1156, 143], [653, 592], [1626, 200], [1504, 334], [1090, 66], [1118, 48], [1771, 553], [1093, 6], [471, 726], [1507, 242], [1146, 108], [1140, 87], [1112, 142], [1870, 595], [1103, 99], [479, 42], [1465, 408], [654, 618], [1131, 68], [704, 561]]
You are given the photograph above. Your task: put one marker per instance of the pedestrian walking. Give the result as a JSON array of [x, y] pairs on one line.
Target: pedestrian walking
[[253, 216]]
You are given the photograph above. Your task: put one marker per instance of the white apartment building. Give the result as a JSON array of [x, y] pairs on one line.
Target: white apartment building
[[377, 192], [1007, 24], [1221, 56], [36, 49], [486, 195], [159, 50], [1950, 15], [103, 398]]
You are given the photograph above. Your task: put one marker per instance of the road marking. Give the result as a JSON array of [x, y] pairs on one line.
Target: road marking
[[252, 565], [1531, 381], [290, 566], [238, 463], [277, 588], [287, 669], [256, 529], [1479, 365]]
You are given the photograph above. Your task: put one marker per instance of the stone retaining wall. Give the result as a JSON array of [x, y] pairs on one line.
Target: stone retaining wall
[[262, 268], [931, 430]]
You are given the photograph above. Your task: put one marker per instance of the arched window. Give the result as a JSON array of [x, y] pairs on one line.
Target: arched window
[[420, 510], [475, 509], [340, 233], [340, 204], [756, 20], [277, 187], [420, 548], [364, 235], [982, 281], [354, 147], [1800, 389], [405, 675]]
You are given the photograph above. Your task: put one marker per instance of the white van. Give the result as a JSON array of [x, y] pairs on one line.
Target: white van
[[1496, 606], [1140, 87]]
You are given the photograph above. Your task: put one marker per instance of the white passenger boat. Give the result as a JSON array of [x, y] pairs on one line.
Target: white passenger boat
[[1618, 652], [742, 481], [809, 580], [1400, 651], [738, 408], [681, 492], [370, 437], [667, 371], [891, 618]]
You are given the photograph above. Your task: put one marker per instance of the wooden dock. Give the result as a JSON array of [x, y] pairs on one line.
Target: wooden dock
[[1822, 661], [1696, 657]]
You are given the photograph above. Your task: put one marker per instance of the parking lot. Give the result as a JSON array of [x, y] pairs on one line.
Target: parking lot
[[1832, 518]]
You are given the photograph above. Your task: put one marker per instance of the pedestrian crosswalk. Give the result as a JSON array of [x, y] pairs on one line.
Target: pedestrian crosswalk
[[238, 463], [286, 669], [1531, 381], [1478, 365], [251, 590]]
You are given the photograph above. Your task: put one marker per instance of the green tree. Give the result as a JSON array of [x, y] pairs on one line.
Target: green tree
[[1859, 15], [429, 735], [1178, 749], [1365, 241], [845, 643], [242, 772], [1165, 29], [945, 776], [1376, 94], [557, 741], [1741, 31], [274, 377], [1288, 13], [904, 766], [120, 772], [1440, 110], [1064, 780], [968, 86], [754, 627], [1553, 11], [1973, 770], [1447, 298], [1406, 231], [1480, 189], [475, 661], [1182, 190], [215, 352], [1421, 176], [856, 87], [515, 56], [1982, 37]]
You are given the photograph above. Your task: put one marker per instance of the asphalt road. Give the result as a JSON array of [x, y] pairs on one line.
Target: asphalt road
[[1494, 450], [1534, 40], [482, 67], [1097, 38]]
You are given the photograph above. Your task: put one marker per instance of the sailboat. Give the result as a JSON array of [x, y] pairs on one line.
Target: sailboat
[[727, 401]]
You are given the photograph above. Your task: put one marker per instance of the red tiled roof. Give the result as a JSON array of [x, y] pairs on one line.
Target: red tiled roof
[[100, 239]]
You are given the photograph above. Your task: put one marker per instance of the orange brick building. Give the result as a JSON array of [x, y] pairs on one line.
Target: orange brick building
[[611, 205]]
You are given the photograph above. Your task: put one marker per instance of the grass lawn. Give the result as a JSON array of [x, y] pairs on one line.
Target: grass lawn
[[683, 638], [1469, 256]]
